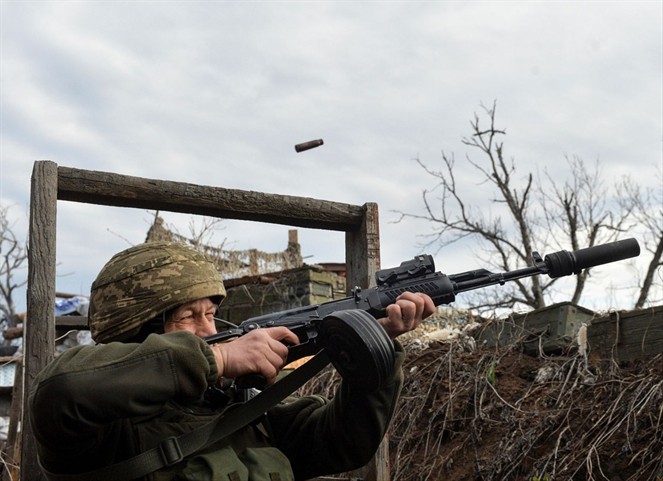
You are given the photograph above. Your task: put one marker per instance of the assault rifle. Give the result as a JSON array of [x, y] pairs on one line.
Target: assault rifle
[[358, 346]]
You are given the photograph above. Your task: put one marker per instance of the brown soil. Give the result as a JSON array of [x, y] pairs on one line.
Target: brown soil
[[470, 414], [483, 415]]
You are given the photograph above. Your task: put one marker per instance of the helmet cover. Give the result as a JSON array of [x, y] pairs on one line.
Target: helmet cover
[[142, 282]]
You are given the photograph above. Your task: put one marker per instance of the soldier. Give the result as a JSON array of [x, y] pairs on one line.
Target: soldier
[[145, 383]]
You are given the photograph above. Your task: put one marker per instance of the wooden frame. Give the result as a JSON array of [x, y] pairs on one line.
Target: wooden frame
[[51, 183]]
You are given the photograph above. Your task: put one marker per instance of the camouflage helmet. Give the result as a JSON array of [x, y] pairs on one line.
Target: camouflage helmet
[[145, 281]]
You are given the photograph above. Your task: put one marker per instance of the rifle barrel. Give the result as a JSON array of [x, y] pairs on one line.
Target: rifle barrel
[[564, 263]]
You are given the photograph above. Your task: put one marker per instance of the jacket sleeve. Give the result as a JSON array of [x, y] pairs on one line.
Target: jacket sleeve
[[322, 436], [88, 387]]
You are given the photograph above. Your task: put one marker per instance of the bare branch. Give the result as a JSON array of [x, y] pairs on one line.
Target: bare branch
[[13, 256], [577, 213], [646, 208]]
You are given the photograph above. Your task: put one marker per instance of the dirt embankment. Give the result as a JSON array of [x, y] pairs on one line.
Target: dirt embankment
[[497, 414]]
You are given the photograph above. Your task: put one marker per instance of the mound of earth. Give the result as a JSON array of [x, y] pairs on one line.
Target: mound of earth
[[469, 413]]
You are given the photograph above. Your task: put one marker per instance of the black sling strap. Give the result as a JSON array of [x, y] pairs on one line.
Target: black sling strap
[[175, 449]]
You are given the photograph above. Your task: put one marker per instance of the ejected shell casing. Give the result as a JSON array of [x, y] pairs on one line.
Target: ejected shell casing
[[311, 144]]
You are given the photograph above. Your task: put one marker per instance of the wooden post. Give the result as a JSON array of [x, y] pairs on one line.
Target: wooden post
[[39, 328], [362, 249], [51, 183], [362, 257]]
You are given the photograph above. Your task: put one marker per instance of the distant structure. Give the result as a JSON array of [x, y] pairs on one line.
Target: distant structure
[[260, 282], [235, 263]]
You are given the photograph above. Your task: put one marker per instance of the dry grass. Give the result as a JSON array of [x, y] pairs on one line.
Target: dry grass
[[498, 414]]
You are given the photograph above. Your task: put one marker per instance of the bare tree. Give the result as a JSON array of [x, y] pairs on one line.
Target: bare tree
[[646, 205], [568, 216], [579, 212], [455, 217], [13, 256]]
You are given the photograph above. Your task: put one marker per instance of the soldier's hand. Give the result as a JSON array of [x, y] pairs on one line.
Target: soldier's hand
[[407, 313], [262, 351]]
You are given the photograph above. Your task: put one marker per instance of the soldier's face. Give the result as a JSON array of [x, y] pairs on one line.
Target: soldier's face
[[196, 317]]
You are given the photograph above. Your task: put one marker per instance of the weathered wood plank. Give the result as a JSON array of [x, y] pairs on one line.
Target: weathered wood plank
[[107, 188], [39, 341], [362, 249], [51, 183], [71, 323], [627, 335], [362, 258]]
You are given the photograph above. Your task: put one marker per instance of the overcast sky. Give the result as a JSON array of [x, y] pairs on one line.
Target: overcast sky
[[218, 93]]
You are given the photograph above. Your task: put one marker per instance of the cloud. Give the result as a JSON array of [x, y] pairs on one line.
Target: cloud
[[218, 93]]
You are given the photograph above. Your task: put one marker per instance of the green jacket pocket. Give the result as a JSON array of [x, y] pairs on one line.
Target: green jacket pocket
[[218, 465], [267, 464], [253, 464]]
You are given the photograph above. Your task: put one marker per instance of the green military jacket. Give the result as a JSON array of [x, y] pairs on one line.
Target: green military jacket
[[96, 405]]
